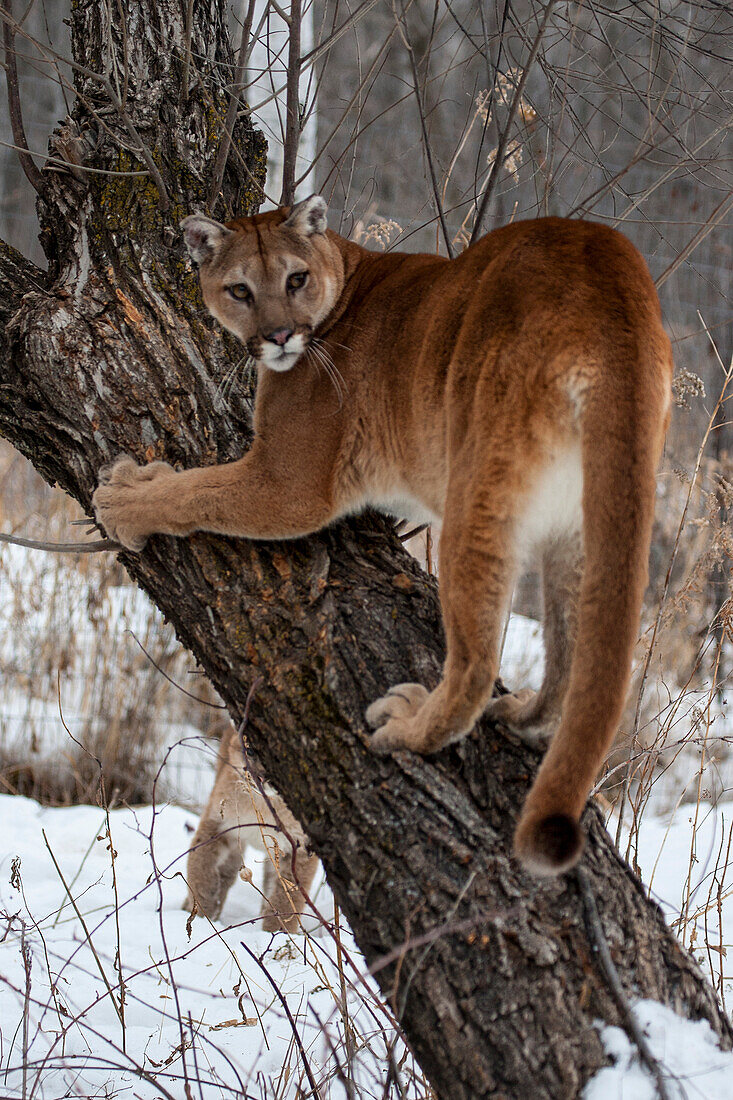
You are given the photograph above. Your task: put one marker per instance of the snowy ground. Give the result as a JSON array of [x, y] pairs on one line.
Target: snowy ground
[[63, 1024], [107, 991]]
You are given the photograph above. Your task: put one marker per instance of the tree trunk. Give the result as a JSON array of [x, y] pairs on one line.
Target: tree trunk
[[111, 351]]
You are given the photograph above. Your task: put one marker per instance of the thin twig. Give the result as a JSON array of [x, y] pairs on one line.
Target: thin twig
[[27, 967], [222, 155], [394, 1073], [16, 118], [404, 35], [63, 547], [197, 1074], [599, 945], [413, 532], [717, 215], [292, 108], [158, 879], [113, 858], [197, 698], [504, 136], [83, 923], [348, 25], [348, 1080]]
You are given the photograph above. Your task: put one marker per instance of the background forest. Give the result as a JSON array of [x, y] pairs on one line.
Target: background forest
[[422, 124]]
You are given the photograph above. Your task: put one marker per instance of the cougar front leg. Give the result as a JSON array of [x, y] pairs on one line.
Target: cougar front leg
[[254, 498], [476, 574]]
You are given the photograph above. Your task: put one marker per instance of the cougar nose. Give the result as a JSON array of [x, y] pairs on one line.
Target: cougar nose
[[280, 336]]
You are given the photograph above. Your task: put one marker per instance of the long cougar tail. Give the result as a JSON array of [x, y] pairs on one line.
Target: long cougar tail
[[623, 420]]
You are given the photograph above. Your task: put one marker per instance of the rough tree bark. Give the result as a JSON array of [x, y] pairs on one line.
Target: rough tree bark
[[111, 351]]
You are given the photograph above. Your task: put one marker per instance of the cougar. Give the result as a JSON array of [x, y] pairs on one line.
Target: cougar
[[519, 393], [236, 815]]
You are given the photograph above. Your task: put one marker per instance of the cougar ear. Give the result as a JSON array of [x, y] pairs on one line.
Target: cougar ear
[[308, 217], [203, 236]]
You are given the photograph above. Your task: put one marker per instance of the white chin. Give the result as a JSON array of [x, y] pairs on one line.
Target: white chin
[[280, 363]]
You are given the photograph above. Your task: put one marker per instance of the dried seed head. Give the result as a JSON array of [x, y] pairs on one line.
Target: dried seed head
[[686, 385]]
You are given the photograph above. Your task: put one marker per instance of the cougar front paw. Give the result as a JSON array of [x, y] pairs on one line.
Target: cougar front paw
[[122, 503]]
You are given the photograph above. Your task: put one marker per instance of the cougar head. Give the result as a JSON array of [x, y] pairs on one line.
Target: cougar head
[[270, 279]]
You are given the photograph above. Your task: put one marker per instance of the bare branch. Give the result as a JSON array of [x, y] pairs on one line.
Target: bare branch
[[503, 139], [292, 109], [16, 118], [598, 939], [63, 547], [231, 116]]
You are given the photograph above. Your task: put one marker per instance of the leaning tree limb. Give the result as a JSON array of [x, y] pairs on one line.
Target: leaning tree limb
[[491, 972]]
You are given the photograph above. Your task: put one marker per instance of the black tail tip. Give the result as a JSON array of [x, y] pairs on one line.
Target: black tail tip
[[548, 845]]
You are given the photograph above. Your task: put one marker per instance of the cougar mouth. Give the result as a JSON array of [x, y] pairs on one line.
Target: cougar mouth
[[276, 357]]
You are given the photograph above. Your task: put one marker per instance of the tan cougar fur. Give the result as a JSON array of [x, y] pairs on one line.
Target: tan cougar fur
[[236, 816], [519, 392]]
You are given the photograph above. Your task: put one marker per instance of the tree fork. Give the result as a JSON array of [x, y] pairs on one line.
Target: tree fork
[[491, 972]]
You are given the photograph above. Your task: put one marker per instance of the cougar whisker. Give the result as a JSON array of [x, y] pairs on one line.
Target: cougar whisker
[[333, 371]]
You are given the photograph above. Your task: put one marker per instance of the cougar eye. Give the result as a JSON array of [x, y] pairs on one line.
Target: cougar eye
[[297, 280], [241, 292]]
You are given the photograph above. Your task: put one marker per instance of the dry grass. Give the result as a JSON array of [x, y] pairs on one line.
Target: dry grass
[[114, 990], [82, 655]]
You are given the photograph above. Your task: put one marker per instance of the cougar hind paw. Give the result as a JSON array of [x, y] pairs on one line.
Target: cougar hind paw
[[520, 712], [401, 701], [392, 717]]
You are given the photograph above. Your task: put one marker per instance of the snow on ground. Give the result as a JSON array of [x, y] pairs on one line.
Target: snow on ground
[[693, 1066], [678, 855], [64, 1030], [522, 655], [238, 1012]]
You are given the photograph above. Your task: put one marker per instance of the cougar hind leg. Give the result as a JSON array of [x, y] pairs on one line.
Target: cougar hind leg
[[213, 862], [286, 884], [239, 814], [535, 716], [478, 567]]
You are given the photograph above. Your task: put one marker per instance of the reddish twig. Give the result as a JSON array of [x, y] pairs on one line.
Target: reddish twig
[[286, 1009]]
